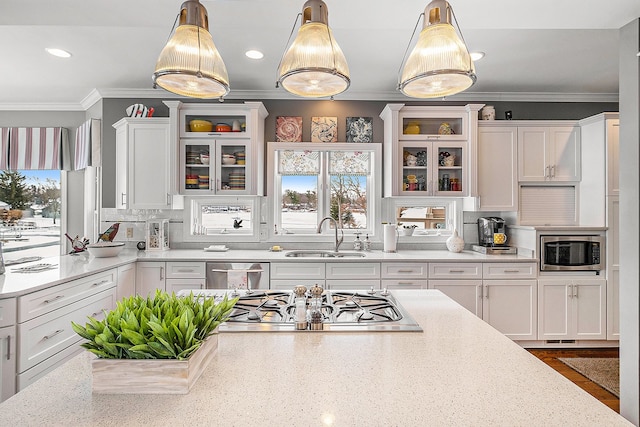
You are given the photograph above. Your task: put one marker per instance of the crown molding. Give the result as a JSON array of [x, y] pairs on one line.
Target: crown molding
[[388, 96]]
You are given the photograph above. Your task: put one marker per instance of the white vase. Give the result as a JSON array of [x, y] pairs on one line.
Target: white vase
[[455, 243]]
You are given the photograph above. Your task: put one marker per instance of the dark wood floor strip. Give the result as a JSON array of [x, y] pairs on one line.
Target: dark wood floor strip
[[550, 357]]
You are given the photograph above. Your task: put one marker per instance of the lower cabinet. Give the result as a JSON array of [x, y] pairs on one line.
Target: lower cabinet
[[572, 308], [510, 306], [45, 336], [467, 293], [352, 275], [169, 276], [286, 275], [8, 344], [399, 275], [126, 281]]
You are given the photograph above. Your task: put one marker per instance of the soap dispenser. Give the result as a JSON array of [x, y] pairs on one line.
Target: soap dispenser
[[367, 244], [357, 243]]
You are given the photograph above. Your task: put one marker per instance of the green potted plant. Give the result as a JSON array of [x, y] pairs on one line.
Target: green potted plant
[[159, 344]]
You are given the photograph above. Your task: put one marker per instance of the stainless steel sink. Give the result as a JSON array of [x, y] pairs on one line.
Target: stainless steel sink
[[312, 253]]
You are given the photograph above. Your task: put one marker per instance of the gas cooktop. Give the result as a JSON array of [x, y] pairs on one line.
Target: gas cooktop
[[274, 310]]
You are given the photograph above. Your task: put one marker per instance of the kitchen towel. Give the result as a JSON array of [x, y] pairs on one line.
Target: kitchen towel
[[237, 279]]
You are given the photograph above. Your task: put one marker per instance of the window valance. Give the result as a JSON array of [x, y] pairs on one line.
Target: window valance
[[299, 162], [87, 145], [36, 148], [349, 163]]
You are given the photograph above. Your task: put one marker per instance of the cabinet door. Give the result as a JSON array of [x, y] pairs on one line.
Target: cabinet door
[[497, 168], [589, 301], [510, 306], [613, 157], [554, 309], [126, 281], [122, 167], [197, 171], [233, 162], [149, 166], [413, 176], [467, 293], [7, 362], [564, 153], [533, 144], [450, 178], [177, 285], [149, 277]]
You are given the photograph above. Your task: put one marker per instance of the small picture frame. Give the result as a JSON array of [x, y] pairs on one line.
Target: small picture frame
[[288, 129], [324, 129], [359, 129]]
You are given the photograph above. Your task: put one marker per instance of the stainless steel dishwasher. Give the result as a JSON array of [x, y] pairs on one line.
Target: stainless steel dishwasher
[[229, 275]]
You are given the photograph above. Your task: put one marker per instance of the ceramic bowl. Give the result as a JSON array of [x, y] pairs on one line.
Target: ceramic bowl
[[200, 126], [105, 249], [228, 159]]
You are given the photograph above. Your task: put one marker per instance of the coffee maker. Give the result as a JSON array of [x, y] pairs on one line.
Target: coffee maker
[[492, 236]]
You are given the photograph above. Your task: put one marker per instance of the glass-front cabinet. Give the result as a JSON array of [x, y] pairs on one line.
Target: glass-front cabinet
[[216, 166], [428, 149], [221, 147]]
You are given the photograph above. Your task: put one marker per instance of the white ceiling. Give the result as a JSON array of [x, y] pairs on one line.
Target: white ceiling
[[535, 50]]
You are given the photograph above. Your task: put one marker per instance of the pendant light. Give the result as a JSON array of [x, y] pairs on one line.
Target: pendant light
[[314, 65], [190, 64], [439, 64]]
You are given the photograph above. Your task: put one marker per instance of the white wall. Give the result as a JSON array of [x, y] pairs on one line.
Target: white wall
[[629, 222]]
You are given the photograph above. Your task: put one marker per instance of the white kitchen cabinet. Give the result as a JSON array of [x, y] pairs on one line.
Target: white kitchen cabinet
[[425, 132], [467, 293], [613, 268], [549, 153], [143, 166], [45, 337], [8, 342], [572, 308], [510, 306], [200, 163], [497, 167], [403, 275], [126, 281], [150, 276], [455, 271], [352, 275]]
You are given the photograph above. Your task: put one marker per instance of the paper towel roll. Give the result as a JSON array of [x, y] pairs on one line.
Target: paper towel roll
[[389, 237]]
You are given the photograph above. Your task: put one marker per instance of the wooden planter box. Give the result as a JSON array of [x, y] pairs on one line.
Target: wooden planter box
[[157, 376]]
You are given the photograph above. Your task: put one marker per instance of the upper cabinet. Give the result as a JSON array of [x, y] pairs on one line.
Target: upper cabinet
[[143, 173], [429, 150], [549, 153], [225, 154], [497, 166]]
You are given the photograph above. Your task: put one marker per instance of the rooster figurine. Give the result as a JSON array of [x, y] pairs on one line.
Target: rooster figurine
[[110, 234]]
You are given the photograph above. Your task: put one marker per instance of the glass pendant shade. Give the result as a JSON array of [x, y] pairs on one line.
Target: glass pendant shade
[[314, 65], [190, 64], [439, 64]]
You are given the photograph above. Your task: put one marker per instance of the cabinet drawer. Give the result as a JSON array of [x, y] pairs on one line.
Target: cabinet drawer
[[176, 285], [46, 300], [404, 270], [353, 285], [404, 283], [297, 270], [509, 270], [353, 270], [30, 376], [45, 336], [469, 270], [7, 312], [186, 270], [288, 285]]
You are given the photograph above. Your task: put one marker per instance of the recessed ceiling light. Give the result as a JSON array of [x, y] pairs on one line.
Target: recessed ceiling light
[[475, 56], [254, 54], [58, 52]]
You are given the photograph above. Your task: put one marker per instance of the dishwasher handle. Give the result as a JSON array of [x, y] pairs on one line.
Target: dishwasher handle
[[217, 270]]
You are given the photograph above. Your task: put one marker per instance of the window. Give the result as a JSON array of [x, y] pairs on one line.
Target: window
[[218, 218], [30, 204], [434, 218], [313, 181]]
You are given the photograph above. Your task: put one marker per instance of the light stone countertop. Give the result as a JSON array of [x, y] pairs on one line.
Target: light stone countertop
[[459, 371], [69, 267]]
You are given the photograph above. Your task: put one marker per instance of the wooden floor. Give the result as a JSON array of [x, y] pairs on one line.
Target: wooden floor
[[550, 357]]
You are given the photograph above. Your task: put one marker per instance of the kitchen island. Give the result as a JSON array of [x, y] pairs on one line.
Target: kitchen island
[[458, 371]]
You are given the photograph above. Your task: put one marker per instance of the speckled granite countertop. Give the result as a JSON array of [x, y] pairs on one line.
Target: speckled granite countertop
[[459, 371]]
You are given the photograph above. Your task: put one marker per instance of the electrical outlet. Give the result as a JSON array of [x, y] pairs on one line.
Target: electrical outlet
[[129, 232]]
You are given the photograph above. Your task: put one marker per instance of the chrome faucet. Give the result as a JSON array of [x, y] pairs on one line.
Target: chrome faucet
[[335, 226]]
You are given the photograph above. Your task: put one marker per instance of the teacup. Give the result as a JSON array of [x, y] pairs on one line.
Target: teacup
[[499, 238]]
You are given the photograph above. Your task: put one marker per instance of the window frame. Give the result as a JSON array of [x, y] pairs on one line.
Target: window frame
[[192, 205], [374, 190]]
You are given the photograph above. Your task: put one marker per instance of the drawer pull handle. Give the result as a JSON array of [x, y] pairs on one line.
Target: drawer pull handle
[[9, 347], [456, 271], [57, 297], [405, 271], [59, 331], [100, 283], [512, 271], [405, 283], [185, 270], [95, 314]]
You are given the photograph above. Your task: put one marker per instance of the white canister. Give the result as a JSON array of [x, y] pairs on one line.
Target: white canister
[[488, 113], [390, 236]]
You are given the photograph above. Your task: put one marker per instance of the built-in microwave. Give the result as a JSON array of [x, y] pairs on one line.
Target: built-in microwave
[[571, 253]]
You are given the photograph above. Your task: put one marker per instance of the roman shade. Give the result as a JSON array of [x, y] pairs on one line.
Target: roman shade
[[349, 163], [298, 162], [87, 145]]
